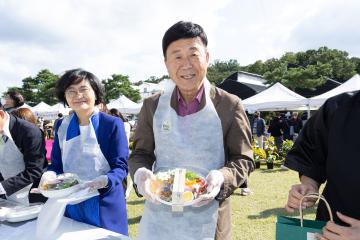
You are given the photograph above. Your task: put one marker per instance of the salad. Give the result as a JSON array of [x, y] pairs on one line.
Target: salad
[[60, 183], [60, 186], [195, 185]]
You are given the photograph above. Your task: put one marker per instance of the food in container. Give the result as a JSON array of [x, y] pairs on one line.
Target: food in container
[[162, 187], [61, 186]]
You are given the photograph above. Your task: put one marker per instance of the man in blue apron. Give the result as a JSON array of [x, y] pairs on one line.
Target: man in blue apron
[[195, 126], [22, 157]]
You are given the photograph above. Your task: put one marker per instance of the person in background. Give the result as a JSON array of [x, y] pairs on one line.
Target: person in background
[[60, 116], [40, 123], [26, 114], [276, 129], [196, 126], [12, 101], [258, 129], [93, 145], [102, 107], [295, 125], [304, 118], [22, 158], [116, 113], [284, 118], [48, 129], [327, 152]]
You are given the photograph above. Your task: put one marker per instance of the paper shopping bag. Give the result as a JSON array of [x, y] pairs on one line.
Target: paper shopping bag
[[288, 228]]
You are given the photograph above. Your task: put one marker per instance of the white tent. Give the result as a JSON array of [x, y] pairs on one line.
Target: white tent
[[125, 105], [42, 107], [59, 108], [274, 98], [352, 84], [45, 111]]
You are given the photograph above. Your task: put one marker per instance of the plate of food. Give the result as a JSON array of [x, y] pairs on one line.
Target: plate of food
[[194, 186], [60, 186]]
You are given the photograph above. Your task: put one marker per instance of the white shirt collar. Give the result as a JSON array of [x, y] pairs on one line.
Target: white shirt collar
[[6, 126]]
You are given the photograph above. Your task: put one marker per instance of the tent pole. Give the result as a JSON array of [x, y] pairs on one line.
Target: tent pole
[[308, 110]]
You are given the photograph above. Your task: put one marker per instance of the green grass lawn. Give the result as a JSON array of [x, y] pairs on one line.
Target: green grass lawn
[[253, 216]]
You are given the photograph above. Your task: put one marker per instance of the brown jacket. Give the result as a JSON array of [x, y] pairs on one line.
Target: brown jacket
[[237, 147]]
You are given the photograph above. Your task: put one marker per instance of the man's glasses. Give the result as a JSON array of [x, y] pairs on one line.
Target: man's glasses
[[73, 93]]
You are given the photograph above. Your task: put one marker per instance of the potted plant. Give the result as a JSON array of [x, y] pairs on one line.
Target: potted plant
[[287, 145], [271, 152], [259, 154], [270, 161]]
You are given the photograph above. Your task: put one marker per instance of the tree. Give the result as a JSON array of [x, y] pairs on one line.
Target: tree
[[119, 85], [220, 70], [258, 67], [342, 67], [307, 69], [40, 88], [356, 61], [156, 80]]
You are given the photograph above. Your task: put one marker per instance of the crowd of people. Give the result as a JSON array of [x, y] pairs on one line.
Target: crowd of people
[[282, 127], [191, 125]]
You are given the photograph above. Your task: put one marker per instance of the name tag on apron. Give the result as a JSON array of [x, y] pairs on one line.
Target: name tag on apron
[[166, 126]]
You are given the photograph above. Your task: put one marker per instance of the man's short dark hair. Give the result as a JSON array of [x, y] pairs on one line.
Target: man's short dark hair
[[75, 76], [16, 97], [183, 30], [60, 115]]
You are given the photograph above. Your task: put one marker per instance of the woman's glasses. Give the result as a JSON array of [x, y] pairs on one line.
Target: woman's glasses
[[84, 91]]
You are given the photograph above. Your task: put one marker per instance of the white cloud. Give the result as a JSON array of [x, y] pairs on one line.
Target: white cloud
[[111, 36]]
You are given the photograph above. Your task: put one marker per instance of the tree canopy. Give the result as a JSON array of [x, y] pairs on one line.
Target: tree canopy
[[306, 69], [219, 70], [40, 88], [120, 85]]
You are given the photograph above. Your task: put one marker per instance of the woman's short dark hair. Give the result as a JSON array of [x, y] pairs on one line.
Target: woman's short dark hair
[[75, 76], [16, 97], [183, 30]]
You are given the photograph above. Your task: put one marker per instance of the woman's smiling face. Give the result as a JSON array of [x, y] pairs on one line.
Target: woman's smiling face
[[80, 96]]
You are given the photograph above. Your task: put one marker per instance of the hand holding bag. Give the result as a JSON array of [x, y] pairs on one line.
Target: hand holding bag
[[288, 228]]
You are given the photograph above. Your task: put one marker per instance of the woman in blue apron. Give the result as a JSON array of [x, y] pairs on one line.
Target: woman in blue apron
[[92, 145]]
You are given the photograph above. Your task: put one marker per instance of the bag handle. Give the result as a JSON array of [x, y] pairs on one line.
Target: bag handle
[[313, 195]]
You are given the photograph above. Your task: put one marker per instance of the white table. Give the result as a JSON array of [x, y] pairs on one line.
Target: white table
[[67, 230]]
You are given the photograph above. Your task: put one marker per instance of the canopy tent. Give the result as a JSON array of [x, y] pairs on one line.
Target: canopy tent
[[352, 84], [42, 107], [125, 105], [45, 111], [276, 98], [60, 108]]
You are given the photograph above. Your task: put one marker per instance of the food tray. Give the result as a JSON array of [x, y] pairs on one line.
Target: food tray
[[195, 186], [61, 186]]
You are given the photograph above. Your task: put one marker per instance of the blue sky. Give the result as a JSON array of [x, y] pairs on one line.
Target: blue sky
[[116, 36]]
